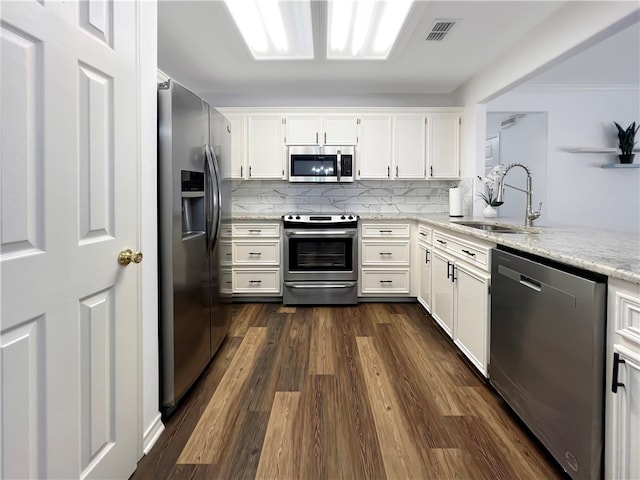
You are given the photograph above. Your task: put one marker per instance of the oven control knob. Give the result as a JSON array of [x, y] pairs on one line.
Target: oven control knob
[[297, 217], [342, 217], [350, 217], [290, 217]]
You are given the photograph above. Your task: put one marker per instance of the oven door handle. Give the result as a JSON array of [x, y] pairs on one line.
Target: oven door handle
[[313, 285], [324, 233]]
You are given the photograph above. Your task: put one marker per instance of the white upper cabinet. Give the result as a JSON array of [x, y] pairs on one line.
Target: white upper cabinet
[[303, 130], [321, 130], [238, 144], [443, 145], [265, 147], [340, 130], [373, 156], [410, 160]]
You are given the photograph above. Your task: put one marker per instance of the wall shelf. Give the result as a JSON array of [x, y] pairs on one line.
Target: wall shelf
[[621, 165], [593, 150]]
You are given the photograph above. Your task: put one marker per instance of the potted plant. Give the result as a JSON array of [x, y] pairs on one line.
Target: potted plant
[[626, 141], [490, 195]]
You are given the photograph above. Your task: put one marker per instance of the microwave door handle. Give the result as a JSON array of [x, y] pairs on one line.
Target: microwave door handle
[[339, 164]]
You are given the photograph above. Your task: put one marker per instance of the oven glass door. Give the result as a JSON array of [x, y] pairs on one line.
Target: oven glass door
[[314, 165], [321, 254]]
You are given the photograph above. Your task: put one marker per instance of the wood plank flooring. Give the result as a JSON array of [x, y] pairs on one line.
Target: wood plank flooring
[[373, 391]]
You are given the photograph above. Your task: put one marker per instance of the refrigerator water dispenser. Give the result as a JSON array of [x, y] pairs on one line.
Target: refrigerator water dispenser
[[193, 216]]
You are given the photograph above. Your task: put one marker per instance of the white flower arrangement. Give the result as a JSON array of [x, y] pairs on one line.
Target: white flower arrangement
[[490, 195]]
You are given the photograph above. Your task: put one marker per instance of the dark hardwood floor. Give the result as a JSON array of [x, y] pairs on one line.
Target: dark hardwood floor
[[368, 391]]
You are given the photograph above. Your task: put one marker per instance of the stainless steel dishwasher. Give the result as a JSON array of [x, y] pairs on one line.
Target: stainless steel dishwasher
[[547, 354]]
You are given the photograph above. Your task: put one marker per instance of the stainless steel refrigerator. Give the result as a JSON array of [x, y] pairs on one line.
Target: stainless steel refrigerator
[[194, 203]]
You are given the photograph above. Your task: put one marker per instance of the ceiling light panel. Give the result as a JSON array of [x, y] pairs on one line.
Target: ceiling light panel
[[364, 29], [274, 29]]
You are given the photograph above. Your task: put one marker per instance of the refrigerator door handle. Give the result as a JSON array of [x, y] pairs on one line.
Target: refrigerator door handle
[[215, 201]]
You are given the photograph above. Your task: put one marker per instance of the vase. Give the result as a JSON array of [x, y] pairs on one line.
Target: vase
[[626, 157], [489, 212]]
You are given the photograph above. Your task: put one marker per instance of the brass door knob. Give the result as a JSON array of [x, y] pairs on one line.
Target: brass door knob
[[127, 256]]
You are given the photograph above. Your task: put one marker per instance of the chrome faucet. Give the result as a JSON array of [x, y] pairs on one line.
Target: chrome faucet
[[530, 215]]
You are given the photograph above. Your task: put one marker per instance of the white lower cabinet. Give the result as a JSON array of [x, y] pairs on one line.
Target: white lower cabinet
[[385, 259], [442, 290], [622, 399], [256, 250], [425, 259], [460, 296], [471, 332]]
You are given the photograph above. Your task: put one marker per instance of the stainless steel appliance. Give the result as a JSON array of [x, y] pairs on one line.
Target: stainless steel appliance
[[321, 163], [194, 200], [320, 259], [547, 354]]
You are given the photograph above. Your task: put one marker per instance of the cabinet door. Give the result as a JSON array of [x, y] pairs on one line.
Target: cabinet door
[[624, 444], [410, 146], [443, 140], [471, 332], [339, 130], [238, 150], [424, 292], [266, 147], [374, 147], [303, 130], [442, 290]]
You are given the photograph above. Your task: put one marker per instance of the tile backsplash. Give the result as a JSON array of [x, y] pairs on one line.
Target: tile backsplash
[[362, 197]]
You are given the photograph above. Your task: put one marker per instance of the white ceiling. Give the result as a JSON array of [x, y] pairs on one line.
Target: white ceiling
[[199, 45]]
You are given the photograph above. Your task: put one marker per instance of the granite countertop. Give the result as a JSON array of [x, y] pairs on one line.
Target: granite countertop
[[612, 253]]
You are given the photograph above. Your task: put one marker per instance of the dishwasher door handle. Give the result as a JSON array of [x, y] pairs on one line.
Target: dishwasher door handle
[[531, 283]]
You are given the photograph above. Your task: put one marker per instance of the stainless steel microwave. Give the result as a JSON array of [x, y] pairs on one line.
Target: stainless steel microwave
[[313, 163]]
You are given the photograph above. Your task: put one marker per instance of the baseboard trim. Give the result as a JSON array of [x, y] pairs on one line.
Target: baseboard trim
[[152, 434]]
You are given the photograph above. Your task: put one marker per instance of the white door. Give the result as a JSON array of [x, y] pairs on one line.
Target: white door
[[70, 312], [442, 290], [443, 139], [374, 147], [410, 151]]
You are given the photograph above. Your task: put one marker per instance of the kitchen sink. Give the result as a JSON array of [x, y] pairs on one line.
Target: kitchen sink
[[492, 227]]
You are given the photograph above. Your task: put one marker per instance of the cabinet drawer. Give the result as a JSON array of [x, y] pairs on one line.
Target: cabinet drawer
[[424, 234], [226, 255], [386, 230], [226, 230], [385, 281], [472, 252], [256, 230], [256, 281], [256, 253], [226, 280], [385, 253]]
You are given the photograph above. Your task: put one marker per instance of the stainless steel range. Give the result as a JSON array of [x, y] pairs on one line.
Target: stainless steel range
[[320, 259]]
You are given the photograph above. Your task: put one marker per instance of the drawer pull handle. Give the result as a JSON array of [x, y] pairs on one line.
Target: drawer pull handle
[[255, 253], [426, 256], [255, 281], [441, 241], [385, 231], [255, 230], [469, 253], [423, 234], [614, 382], [386, 254], [386, 281], [449, 265]]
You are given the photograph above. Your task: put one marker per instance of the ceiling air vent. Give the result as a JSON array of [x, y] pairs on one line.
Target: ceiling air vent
[[439, 29]]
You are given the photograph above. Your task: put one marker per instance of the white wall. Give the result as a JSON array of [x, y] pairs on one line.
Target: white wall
[[150, 417], [579, 191], [573, 28], [524, 142]]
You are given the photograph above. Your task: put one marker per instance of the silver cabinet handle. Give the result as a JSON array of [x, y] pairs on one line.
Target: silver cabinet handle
[[319, 233]]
